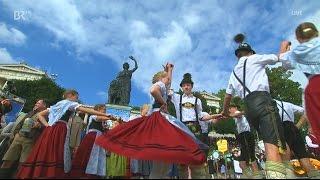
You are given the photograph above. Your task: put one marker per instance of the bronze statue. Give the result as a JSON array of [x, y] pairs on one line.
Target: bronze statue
[[120, 88]]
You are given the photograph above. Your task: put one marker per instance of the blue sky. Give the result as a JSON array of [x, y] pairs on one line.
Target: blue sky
[[86, 42]]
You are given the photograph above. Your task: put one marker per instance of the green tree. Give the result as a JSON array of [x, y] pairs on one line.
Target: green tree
[[283, 88], [226, 126], [44, 88], [221, 93]]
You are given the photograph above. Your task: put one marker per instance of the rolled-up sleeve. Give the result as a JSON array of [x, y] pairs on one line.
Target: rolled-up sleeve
[[297, 109], [286, 59], [74, 106], [230, 88], [267, 59]]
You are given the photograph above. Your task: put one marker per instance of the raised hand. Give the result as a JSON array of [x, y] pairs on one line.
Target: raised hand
[[285, 46], [167, 67], [132, 58]]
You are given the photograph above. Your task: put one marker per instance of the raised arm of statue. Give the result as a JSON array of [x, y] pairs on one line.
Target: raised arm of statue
[[135, 64]]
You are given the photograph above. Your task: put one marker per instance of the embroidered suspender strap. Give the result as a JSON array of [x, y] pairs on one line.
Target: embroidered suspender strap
[[180, 107], [245, 88], [196, 110]]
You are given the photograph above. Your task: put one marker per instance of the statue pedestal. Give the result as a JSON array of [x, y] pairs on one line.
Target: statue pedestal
[[119, 111]]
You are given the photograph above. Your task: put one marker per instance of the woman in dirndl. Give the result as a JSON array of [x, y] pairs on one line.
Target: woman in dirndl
[[158, 137], [51, 156]]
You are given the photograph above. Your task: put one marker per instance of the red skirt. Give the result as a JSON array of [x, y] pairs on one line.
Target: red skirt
[[46, 159], [312, 101], [152, 138], [81, 159]]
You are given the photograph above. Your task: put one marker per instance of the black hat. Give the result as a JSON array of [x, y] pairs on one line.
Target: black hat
[[244, 47], [186, 79]]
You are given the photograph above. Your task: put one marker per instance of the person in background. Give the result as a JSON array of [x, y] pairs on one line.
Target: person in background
[[189, 111], [305, 57], [90, 159], [287, 112], [246, 141], [25, 133], [5, 107], [76, 127], [51, 156]]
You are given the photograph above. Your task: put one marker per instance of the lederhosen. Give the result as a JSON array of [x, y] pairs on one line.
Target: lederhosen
[[34, 133], [293, 137], [262, 113], [247, 146], [194, 126]]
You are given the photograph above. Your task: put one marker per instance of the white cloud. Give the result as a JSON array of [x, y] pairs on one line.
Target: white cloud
[[5, 56], [11, 35], [195, 36]]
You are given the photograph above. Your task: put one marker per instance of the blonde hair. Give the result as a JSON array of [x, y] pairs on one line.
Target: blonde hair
[[306, 31], [158, 76], [69, 92]]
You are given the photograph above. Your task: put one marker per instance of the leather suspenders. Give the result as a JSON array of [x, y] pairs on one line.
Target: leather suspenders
[[243, 83], [283, 111]]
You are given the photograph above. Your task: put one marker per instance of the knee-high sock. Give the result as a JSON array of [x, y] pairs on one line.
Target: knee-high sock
[[290, 170], [258, 175], [275, 170]]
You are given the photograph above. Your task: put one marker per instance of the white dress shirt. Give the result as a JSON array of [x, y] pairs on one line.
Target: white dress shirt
[[188, 114], [290, 109], [256, 76]]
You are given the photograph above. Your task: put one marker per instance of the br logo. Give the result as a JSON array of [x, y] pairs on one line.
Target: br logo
[[21, 15]]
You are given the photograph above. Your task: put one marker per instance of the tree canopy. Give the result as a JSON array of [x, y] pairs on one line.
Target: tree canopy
[[44, 88]]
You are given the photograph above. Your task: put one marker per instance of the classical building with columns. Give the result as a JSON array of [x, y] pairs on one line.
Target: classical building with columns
[[19, 71], [212, 100]]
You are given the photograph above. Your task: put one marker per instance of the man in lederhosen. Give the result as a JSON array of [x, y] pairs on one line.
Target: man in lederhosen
[[250, 82], [294, 139], [189, 111], [246, 140]]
